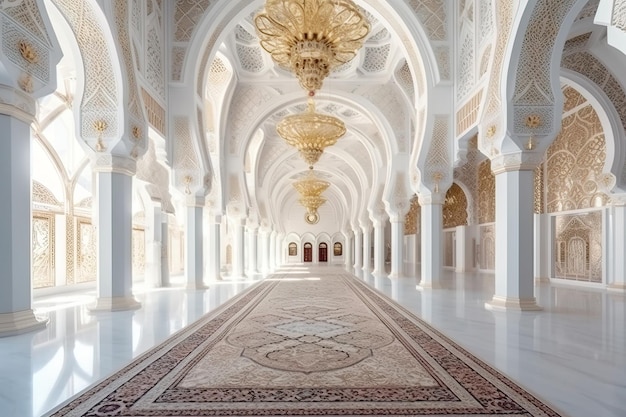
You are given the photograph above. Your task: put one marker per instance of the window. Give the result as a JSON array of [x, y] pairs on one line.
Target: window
[[338, 249], [293, 249]]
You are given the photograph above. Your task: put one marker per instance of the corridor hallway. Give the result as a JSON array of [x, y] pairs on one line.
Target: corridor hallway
[[572, 354]]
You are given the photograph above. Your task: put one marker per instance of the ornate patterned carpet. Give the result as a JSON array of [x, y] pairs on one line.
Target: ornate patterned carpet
[[312, 345]]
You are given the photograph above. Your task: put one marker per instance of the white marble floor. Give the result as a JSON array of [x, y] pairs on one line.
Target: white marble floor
[[572, 354]]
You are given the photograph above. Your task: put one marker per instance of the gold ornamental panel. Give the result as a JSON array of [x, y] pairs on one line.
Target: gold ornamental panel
[[42, 249], [578, 246], [455, 207], [575, 161], [486, 193], [87, 251], [412, 219]]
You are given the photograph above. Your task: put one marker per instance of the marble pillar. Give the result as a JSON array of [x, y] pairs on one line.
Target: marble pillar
[[214, 261], [358, 249], [367, 248], [432, 242], [397, 247], [238, 249], [153, 245], [252, 251], [165, 248], [618, 254], [16, 313], [265, 252], [514, 289], [114, 230], [379, 246], [194, 244]]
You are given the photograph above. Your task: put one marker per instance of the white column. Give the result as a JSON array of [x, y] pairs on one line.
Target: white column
[[194, 240], [238, 252], [252, 251], [367, 248], [153, 244], [463, 249], [618, 279], [514, 288], [543, 247], [432, 242], [16, 314], [279, 250], [214, 263], [347, 250], [165, 247], [272, 252], [265, 251], [358, 248], [114, 230], [379, 245], [397, 247]]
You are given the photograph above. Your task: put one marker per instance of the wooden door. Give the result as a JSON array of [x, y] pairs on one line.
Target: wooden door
[[308, 252], [323, 252]]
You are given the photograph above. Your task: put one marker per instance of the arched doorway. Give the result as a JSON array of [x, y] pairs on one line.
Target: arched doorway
[[323, 252], [308, 252]]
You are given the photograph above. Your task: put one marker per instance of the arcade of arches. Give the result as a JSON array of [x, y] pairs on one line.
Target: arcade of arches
[[139, 145], [435, 153]]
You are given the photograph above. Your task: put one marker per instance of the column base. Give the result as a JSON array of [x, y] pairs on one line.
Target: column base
[[25, 321], [542, 280], [115, 304], [499, 303], [197, 286], [432, 285], [619, 287]]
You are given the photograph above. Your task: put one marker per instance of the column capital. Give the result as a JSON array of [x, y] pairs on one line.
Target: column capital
[[431, 199], [114, 163], [194, 201], [18, 104], [517, 161]]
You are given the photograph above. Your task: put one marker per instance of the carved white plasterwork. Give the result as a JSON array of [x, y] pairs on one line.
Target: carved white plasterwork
[[590, 10], [14, 33], [112, 163], [376, 58], [466, 66], [433, 16], [246, 103], [518, 161], [385, 98], [593, 69], [485, 11], [467, 174], [533, 93], [618, 18], [99, 101], [438, 161], [18, 104], [250, 58], [404, 78], [155, 65], [136, 127], [150, 170], [186, 164]]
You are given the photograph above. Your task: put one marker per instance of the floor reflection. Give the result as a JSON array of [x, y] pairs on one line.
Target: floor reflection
[[572, 354]]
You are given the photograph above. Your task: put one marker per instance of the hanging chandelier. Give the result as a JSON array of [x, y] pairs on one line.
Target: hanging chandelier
[[310, 189], [310, 132], [311, 37]]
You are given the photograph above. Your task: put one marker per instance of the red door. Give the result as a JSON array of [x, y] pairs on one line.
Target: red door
[[323, 252], [308, 252]]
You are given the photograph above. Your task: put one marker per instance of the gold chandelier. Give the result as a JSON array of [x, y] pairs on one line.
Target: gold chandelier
[[310, 189], [311, 37], [310, 132]]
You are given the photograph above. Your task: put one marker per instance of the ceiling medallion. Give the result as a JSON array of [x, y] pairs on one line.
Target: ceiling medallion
[[311, 37], [310, 132]]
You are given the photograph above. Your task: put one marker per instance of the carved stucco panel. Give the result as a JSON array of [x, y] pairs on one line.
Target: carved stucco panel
[[99, 101]]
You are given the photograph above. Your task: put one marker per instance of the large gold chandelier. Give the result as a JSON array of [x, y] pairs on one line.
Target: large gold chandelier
[[310, 132], [311, 37], [310, 189]]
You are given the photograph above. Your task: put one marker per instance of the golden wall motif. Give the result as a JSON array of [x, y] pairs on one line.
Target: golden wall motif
[[578, 246], [412, 219], [574, 163], [87, 244], [455, 207], [139, 251], [539, 189], [487, 247], [486, 193], [43, 250]]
